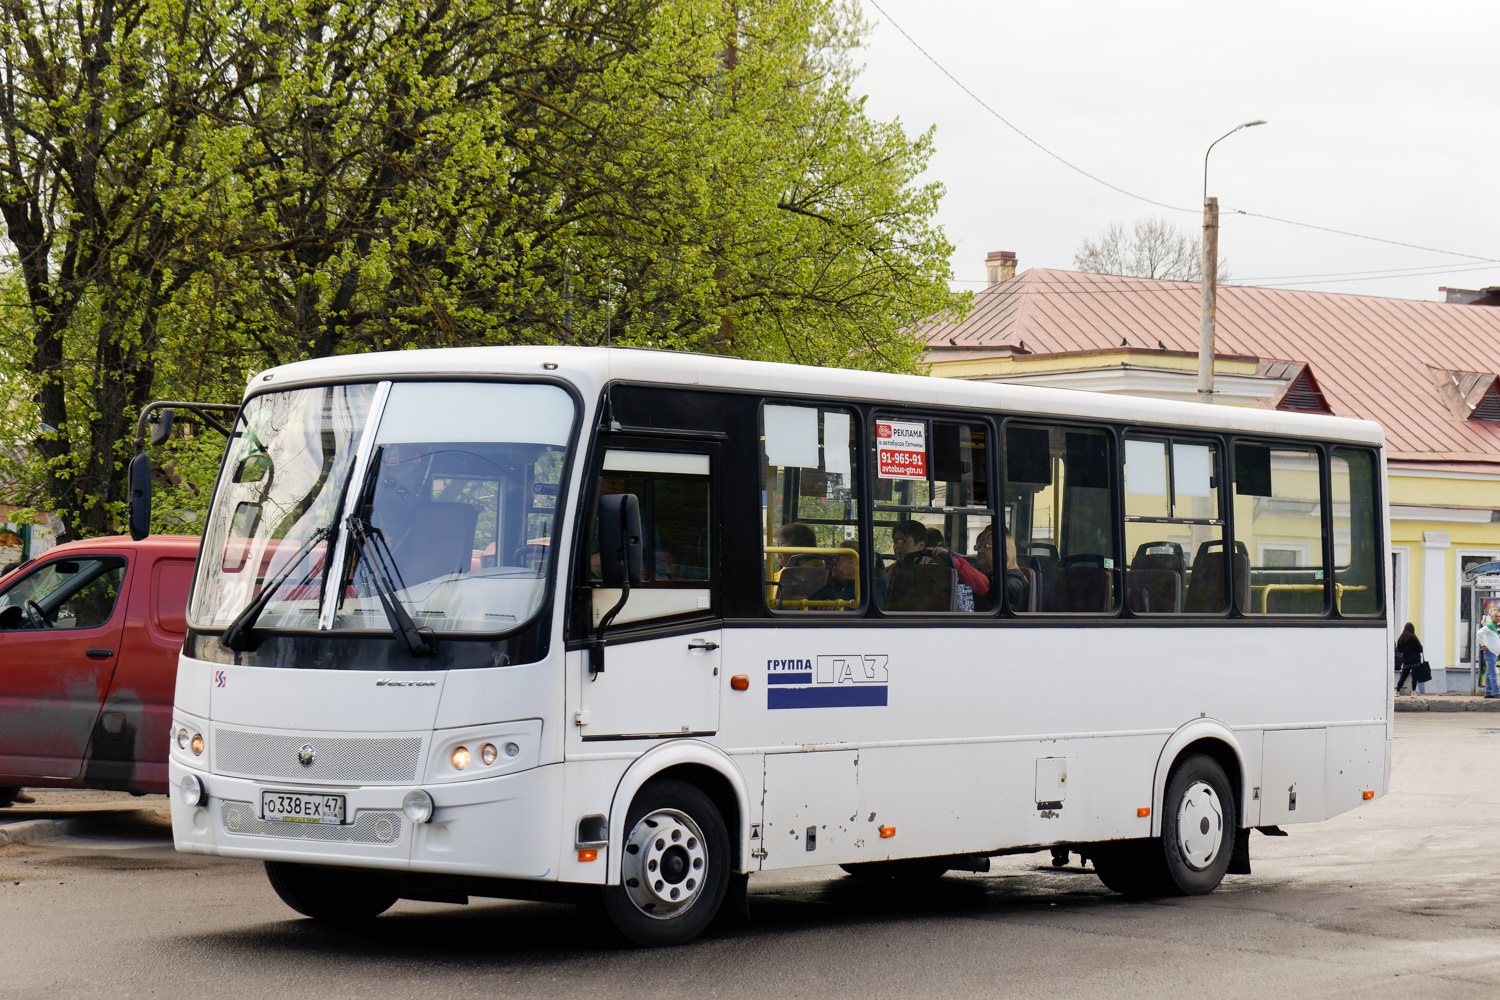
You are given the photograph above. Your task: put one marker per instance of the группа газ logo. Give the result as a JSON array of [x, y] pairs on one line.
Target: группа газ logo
[[849, 681]]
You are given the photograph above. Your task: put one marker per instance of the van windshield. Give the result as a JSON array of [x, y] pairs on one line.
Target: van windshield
[[453, 484]]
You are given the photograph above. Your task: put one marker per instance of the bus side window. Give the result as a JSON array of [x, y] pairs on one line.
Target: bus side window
[[933, 521], [674, 492], [810, 511], [1356, 535], [1278, 527], [1060, 498], [1174, 527]]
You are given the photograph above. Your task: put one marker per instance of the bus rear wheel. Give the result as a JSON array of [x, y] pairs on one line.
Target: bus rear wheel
[[1191, 856], [337, 895], [674, 867]]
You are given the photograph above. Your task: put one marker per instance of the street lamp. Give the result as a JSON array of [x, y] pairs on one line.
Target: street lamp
[[1210, 278]]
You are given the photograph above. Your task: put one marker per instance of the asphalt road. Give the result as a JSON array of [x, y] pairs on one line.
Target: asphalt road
[[1398, 899]]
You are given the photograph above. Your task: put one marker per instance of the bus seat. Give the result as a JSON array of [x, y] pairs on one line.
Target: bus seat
[[1044, 590], [1205, 591], [441, 541], [921, 587], [1084, 587], [1153, 591], [1154, 582], [799, 582], [1033, 589]]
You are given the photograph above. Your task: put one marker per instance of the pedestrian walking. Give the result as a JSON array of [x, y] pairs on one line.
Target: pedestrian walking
[[1489, 645], [1409, 649]]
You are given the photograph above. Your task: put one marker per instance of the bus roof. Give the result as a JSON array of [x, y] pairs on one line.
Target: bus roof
[[591, 368]]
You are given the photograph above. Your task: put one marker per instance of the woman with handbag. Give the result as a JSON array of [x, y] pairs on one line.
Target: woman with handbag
[[1409, 648]]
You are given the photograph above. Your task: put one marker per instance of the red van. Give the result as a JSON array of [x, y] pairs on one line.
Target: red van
[[89, 637]]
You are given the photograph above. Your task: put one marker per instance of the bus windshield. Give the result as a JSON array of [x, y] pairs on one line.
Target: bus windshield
[[454, 486]]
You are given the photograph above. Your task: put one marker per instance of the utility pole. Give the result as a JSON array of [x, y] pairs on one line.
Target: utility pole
[[1208, 306], [1210, 280]]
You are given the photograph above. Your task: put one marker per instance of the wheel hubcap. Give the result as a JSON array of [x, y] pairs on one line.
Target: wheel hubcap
[[666, 863], [1200, 826]]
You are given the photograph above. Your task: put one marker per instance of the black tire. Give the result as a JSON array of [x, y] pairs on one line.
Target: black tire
[[675, 865], [904, 870], [8, 794], [1192, 854], [337, 895]]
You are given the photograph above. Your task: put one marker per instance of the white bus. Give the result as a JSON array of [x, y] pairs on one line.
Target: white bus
[[631, 626]]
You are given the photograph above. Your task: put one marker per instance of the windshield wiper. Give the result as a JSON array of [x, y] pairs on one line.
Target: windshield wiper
[[237, 635], [371, 548]]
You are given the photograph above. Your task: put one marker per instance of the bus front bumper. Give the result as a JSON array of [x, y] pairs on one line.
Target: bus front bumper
[[508, 826]]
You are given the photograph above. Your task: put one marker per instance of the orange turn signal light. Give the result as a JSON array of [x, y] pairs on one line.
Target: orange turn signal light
[[740, 682], [1369, 795], [887, 831], [1143, 811], [588, 855]]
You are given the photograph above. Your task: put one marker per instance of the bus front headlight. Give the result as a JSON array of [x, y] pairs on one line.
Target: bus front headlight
[[417, 806], [191, 790]]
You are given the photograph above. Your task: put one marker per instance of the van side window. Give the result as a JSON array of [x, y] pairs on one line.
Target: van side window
[[811, 556], [1278, 529], [1059, 502], [1174, 527], [65, 594]]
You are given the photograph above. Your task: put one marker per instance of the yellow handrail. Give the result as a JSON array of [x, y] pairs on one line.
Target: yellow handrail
[[807, 604]]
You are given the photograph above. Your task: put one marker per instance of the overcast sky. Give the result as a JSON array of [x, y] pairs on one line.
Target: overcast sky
[[1381, 122]]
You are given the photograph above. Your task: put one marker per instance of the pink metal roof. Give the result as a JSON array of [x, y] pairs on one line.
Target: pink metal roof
[[1372, 357]]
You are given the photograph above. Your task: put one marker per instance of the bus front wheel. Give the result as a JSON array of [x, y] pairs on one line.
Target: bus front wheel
[[337, 895], [1192, 854], [674, 867]]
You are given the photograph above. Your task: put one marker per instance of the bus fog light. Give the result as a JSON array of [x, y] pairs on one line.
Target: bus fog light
[[460, 758], [417, 806], [197, 744], [511, 749], [191, 790], [488, 753], [182, 739]]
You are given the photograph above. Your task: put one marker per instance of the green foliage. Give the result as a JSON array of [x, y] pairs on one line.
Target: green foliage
[[195, 190]]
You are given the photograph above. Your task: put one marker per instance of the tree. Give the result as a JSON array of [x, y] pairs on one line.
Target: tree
[[1154, 248], [195, 189]]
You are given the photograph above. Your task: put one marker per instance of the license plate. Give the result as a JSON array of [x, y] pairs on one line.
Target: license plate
[[299, 807]]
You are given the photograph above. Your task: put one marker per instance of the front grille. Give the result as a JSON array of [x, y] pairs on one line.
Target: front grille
[[369, 827], [344, 759]]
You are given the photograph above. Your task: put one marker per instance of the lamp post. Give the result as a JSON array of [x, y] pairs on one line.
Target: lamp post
[[1210, 282]]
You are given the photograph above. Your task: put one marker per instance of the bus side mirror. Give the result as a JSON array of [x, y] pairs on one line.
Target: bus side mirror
[[620, 539], [140, 496], [161, 427]]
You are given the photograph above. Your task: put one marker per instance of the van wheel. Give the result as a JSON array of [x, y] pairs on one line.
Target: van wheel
[[8, 794], [905, 870], [1192, 854], [337, 895], [674, 867]]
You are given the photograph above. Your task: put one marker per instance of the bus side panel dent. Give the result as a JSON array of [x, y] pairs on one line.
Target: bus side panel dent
[[674, 754], [1193, 732]]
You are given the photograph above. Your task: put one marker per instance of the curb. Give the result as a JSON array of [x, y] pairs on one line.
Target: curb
[[30, 831], [1417, 703]]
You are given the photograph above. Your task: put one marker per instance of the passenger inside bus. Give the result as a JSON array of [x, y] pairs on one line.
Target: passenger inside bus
[[922, 579]]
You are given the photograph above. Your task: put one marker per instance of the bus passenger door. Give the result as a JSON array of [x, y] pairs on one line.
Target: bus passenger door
[[661, 656]]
